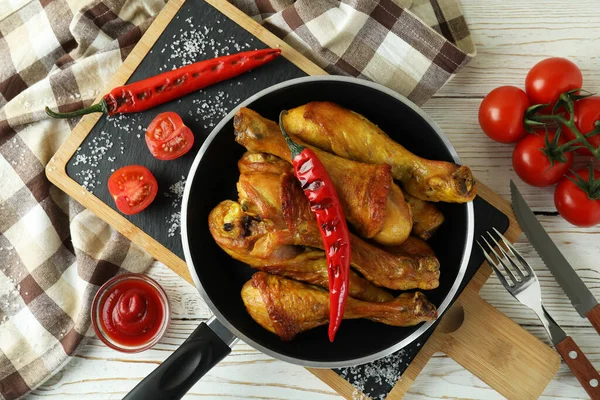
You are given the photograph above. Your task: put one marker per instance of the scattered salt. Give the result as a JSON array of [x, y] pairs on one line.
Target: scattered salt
[[97, 148], [175, 223], [214, 108], [382, 372], [176, 193], [194, 42], [178, 188]]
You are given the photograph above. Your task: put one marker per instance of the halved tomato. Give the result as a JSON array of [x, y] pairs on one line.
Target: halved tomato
[[133, 188], [167, 137]]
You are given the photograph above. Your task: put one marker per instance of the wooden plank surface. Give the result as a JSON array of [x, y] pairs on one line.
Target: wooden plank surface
[[511, 36], [148, 230]]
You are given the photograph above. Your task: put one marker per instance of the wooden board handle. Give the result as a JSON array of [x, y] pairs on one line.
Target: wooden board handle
[[497, 350], [581, 367], [594, 317]]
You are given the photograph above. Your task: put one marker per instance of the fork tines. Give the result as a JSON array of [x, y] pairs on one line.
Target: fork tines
[[507, 258]]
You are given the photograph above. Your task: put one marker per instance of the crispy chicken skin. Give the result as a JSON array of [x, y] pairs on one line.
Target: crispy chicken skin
[[254, 242], [279, 199], [399, 271], [287, 308], [426, 217], [372, 203], [413, 246], [263, 162], [335, 129]]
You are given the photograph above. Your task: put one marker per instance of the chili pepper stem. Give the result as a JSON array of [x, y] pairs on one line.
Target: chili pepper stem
[[98, 107], [295, 148]]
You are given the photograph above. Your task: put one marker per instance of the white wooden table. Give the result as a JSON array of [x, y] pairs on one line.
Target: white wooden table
[[511, 35]]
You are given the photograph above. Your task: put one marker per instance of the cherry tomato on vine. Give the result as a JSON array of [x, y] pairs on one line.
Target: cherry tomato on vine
[[574, 203], [501, 114], [133, 188], [533, 166], [167, 137], [587, 113], [549, 78]]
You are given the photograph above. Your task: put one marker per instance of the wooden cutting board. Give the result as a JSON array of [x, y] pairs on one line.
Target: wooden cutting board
[[480, 338], [472, 332]]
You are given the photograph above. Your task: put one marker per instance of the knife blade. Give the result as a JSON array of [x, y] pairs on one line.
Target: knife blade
[[582, 299]]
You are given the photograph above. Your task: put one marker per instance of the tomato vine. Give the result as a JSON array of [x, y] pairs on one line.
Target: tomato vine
[[564, 105]]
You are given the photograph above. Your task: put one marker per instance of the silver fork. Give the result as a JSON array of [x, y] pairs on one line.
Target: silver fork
[[519, 279]]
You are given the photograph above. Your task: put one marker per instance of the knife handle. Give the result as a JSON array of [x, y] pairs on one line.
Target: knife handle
[[581, 367], [594, 317]]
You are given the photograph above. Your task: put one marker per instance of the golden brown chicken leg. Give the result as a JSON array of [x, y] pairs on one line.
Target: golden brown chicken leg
[[426, 217], [372, 203], [252, 241], [279, 199], [413, 246], [287, 308], [333, 128]]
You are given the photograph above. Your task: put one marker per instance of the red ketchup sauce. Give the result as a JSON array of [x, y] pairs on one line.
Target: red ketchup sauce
[[131, 313]]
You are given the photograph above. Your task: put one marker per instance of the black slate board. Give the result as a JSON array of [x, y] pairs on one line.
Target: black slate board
[[198, 32]]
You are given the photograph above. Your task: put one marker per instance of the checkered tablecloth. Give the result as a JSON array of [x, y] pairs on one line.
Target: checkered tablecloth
[[54, 254], [413, 47]]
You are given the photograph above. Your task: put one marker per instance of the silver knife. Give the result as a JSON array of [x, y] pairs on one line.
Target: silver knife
[[582, 299]]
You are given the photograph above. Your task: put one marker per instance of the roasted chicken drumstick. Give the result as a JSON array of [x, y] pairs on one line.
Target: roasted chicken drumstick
[[426, 217], [287, 308], [253, 242], [335, 129], [279, 198], [372, 203]]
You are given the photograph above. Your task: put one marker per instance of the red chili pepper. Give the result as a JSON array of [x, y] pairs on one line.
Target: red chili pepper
[[159, 89], [325, 203]]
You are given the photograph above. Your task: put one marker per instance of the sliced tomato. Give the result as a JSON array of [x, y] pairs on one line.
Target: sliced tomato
[[167, 137], [133, 188]]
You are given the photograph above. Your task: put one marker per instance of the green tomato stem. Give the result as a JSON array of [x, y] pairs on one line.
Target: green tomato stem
[[580, 138]]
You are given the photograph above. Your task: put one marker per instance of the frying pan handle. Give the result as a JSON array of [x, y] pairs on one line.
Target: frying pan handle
[[205, 347]]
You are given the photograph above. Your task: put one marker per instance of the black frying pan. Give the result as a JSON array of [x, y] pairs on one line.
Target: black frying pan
[[219, 278]]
